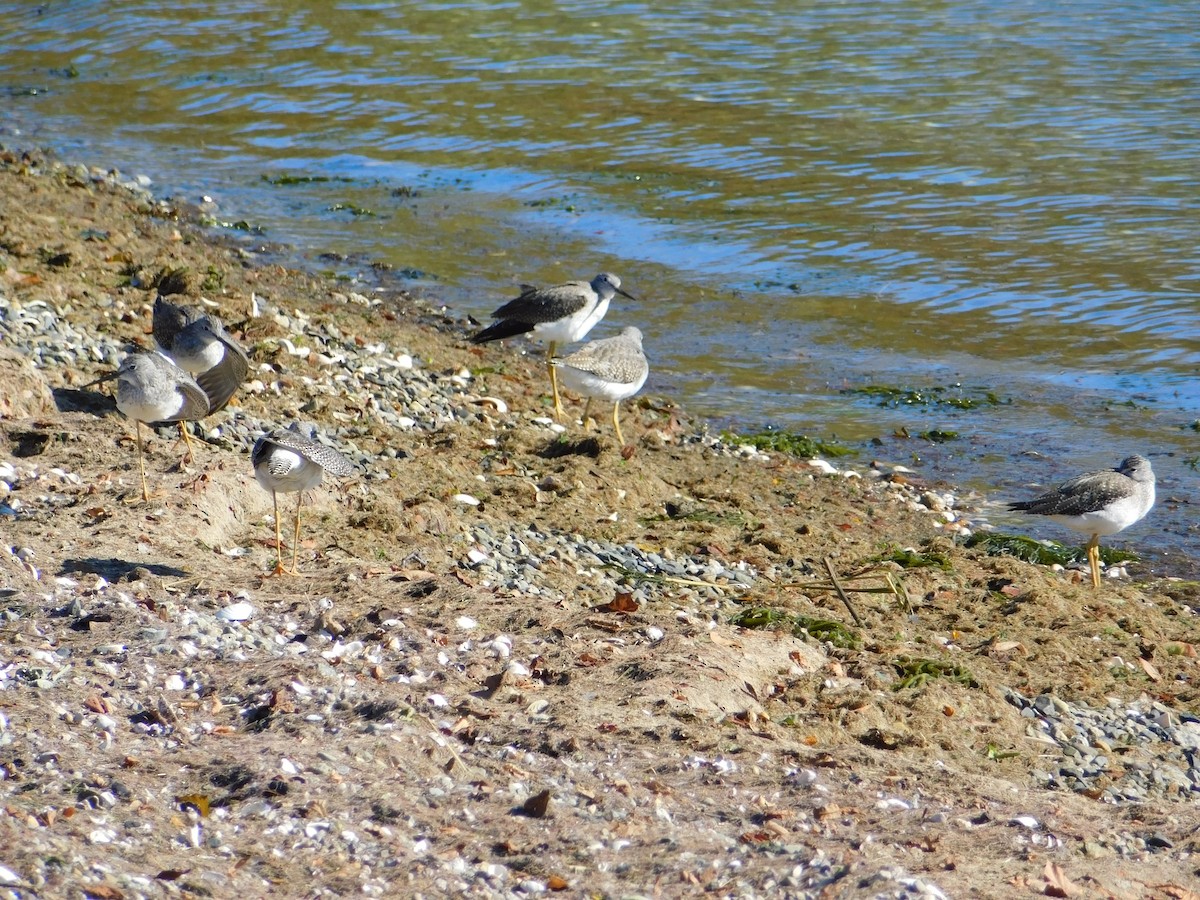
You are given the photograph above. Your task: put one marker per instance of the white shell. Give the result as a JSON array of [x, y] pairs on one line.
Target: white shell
[[236, 612]]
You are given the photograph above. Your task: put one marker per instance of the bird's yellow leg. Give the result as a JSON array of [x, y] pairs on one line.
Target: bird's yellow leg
[[141, 462], [187, 442], [617, 422], [558, 409], [278, 570], [1094, 559], [586, 406], [296, 538]]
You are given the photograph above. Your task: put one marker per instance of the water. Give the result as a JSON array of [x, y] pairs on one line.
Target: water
[[810, 198]]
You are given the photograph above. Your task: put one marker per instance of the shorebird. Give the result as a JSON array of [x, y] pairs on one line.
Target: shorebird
[[561, 314], [613, 369], [151, 388], [288, 460], [199, 343], [1098, 503]]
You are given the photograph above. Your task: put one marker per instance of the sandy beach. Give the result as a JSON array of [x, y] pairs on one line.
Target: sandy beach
[[521, 659]]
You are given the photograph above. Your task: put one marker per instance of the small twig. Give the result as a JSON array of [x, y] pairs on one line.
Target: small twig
[[825, 586], [665, 579], [841, 593], [693, 582]]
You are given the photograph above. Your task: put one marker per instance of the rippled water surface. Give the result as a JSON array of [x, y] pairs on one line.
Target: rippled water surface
[[808, 198]]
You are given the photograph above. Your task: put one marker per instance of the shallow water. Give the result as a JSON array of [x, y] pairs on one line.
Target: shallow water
[[808, 198]]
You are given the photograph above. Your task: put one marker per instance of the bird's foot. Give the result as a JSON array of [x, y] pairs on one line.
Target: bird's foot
[[138, 498]]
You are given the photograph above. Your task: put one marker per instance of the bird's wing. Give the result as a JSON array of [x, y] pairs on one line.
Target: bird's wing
[[612, 359], [195, 402], [1085, 493], [221, 382], [169, 319], [537, 305], [325, 457]]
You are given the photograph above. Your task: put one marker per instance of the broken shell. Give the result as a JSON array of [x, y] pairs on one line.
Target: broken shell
[[494, 402]]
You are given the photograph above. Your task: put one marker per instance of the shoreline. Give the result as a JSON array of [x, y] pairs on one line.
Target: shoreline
[[1164, 558], [444, 662]]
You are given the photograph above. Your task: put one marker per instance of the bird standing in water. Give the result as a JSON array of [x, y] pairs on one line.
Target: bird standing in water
[[1098, 503]]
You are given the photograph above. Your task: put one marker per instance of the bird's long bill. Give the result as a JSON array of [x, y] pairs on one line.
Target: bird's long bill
[[625, 293], [102, 379]]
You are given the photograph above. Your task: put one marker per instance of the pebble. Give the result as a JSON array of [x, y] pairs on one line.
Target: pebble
[[1165, 767]]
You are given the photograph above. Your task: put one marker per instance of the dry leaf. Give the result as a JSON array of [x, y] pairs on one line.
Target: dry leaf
[[537, 805], [755, 837], [556, 883], [1150, 670], [102, 892], [1177, 892], [623, 602], [1057, 882], [1005, 646]]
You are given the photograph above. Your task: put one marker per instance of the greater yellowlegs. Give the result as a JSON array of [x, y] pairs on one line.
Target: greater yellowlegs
[[289, 459], [151, 388], [1098, 503], [613, 369], [561, 314], [199, 343]]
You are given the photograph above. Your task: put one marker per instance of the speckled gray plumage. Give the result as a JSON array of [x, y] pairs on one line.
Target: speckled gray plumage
[[187, 334], [312, 450], [619, 359], [1093, 491]]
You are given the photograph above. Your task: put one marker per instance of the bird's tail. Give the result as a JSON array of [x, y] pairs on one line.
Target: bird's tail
[[504, 328]]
